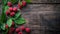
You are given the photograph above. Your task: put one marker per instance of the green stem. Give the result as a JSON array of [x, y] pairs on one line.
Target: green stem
[[3, 16]]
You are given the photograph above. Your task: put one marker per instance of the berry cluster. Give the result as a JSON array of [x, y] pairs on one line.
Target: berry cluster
[[11, 12], [18, 30], [21, 5], [22, 28]]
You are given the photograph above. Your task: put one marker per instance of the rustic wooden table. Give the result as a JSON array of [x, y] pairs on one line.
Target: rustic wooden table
[[42, 16]]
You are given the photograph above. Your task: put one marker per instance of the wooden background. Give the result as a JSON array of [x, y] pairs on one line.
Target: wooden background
[[42, 16]]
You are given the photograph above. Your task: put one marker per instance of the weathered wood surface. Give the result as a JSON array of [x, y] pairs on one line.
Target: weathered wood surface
[[45, 1], [42, 18]]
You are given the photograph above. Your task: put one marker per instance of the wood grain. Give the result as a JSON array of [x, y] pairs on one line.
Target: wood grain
[[40, 16], [45, 1]]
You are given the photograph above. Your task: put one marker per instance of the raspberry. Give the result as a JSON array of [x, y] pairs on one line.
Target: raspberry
[[9, 4], [7, 12], [9, 32], [23, 3], [11, 9], [20, 33], [27, 30], [12, 14], [12, 29], [6, 26], [22, 28], [13, 23], [17, 29], [19, 6], [15, 9]]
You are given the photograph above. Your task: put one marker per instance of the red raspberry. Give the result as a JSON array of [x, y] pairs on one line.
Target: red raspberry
[[22, 28], [15, 9], [12, 14], [9, 32], [6, 26], [11, 9], [27, 30], [17, 29], [19, 6], [20, 33], [9, 4], [13, 23], [7, 12], [12, 29], [23, 3]]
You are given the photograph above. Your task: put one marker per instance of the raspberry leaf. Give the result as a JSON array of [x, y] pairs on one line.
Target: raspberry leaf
[[9, 22], [3, 26], [4, 2], [3, 15], [0, 17], [14, 1], [6, 7], [20, 21], [28, 1], [17, 15]]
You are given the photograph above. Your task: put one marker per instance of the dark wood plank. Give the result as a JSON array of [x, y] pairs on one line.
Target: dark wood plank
[[45, 1]]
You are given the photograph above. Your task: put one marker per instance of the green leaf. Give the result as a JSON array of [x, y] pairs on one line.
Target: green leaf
[[0, 19], [0, 26], [3, 26], [17, 14], [28, 1], [3, 15], [20, 21], [4, 2], [6, 8], [9, 22], [14, 1]]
